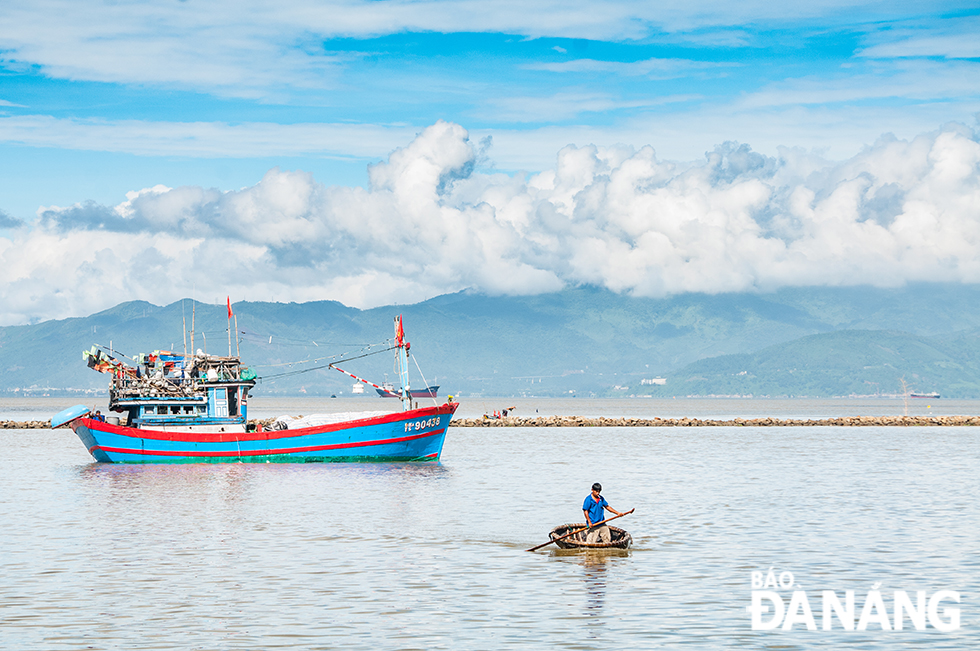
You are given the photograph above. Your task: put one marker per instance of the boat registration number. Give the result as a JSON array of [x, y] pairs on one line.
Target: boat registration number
[[421, 424]]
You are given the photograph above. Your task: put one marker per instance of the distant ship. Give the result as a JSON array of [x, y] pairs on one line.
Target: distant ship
[[388, 390], [932, 395], [358, 388]]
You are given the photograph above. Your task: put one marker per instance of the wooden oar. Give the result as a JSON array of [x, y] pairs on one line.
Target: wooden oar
[[567, 535]]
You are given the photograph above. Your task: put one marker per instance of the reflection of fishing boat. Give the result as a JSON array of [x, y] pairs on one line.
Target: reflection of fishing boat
[[621, 538], [177, 408]]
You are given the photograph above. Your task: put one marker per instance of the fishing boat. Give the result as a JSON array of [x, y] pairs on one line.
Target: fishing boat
[[933, 395], [621, 538], [178, 408]]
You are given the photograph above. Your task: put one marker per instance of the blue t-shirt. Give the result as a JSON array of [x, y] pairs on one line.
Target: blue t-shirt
[[595, 509]]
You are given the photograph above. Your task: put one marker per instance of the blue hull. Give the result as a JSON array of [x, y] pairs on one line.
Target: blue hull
[[415, 435]]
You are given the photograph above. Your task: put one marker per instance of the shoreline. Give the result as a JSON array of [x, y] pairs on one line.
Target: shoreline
[[843, 421], [581, 421]]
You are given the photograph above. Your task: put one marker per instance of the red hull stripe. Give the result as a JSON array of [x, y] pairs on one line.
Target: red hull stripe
[[252, 453], [231, 437]]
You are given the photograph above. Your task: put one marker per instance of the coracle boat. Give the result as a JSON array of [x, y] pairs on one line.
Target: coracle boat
[[621, 538], [175, 408]]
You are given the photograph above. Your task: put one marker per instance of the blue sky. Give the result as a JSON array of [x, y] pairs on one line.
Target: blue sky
[[97, 99], [101, 99]]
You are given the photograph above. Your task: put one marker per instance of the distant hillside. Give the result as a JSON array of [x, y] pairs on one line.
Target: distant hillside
[[850, 362], [578, 341]]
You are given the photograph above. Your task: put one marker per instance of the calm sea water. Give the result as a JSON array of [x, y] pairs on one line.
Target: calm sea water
[[432, 556]]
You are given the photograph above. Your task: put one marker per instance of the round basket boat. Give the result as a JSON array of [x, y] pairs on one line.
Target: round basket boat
[[621, 538]]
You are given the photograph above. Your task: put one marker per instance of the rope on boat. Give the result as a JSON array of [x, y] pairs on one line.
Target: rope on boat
[[114, 353], [248, 335], [359, 379], [330, 365], [334, 366], [387, 343], [425, 382]]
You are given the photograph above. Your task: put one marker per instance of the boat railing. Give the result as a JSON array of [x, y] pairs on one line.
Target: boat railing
[[129, 386]]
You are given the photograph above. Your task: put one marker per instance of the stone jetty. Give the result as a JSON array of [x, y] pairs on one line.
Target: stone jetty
[[581, 421], [25, 424], [846, 421]]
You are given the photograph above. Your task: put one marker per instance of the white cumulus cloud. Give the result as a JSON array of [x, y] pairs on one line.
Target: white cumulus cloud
[[434, 221]]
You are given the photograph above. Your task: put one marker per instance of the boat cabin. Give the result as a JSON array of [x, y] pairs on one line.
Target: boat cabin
[[167, 389], [224, 404]]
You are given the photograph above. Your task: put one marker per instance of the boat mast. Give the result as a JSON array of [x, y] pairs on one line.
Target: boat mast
[[229, 326], [183, 318], [403, 347]]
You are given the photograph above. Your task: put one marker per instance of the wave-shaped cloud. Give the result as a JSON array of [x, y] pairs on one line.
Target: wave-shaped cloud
[[432, 221]]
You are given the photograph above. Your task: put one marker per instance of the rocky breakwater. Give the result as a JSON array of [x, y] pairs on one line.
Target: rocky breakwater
[[25, 424], [846, 421], [582, 421]]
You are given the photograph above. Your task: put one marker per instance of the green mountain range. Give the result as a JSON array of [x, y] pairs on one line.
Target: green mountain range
[[581, 341], [850, 362]]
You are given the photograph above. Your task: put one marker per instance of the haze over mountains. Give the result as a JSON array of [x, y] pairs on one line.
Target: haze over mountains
[[793, 342]]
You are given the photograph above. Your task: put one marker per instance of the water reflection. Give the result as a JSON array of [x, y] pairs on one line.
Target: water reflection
[[596, 565], [594, 577], [123, 477], [153, 483], [238, 504]]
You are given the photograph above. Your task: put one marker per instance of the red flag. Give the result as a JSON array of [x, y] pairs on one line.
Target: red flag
[[230, 313], [399, 331]]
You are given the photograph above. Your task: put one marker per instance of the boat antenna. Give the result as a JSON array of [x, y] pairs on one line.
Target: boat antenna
[[193, 318]]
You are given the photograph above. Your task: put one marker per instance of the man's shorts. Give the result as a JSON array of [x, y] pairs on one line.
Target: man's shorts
[[599, 534]]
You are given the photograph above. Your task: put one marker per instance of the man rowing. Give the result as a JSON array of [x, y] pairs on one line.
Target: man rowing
[[593, 509]]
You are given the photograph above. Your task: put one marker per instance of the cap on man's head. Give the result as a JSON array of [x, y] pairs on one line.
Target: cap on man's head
[[597, 487]]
